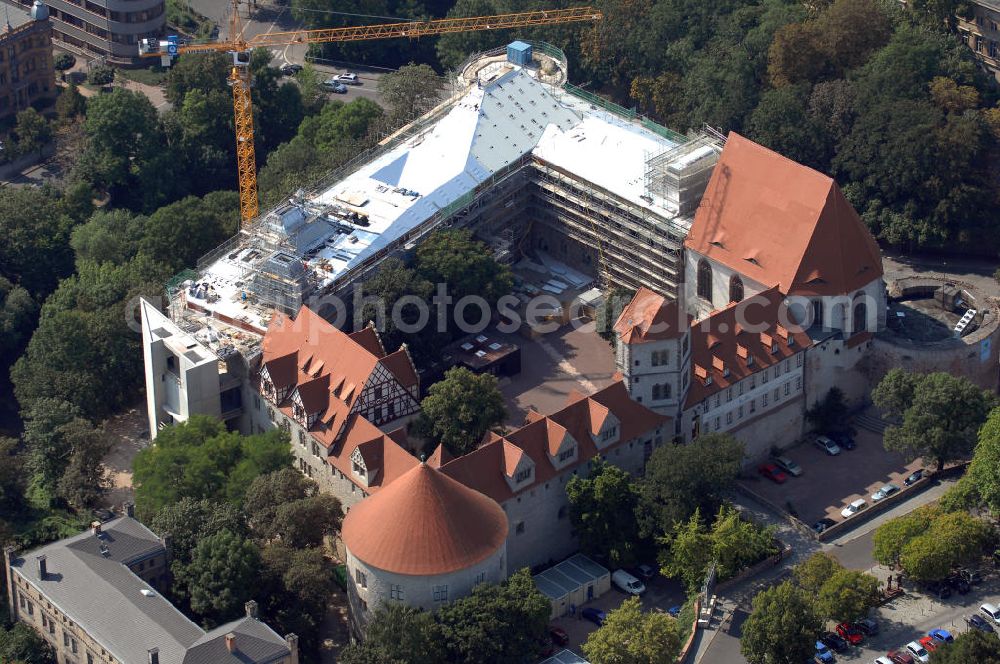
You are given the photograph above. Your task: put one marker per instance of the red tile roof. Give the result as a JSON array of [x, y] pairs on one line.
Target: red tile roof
[[401, 366], [368, 339], [650, 317], [781, 223], [484, 469], [725, 354], [425, 523]]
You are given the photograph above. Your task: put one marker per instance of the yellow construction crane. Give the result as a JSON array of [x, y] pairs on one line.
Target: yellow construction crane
[[241, 46]]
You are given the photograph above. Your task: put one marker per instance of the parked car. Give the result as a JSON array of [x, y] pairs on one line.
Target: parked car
[[941, 635], [291, 69], [674, 611], [823, 653], [773, 473], [833, 641], [594, 615], [627, 583], [855, 507], [929, 644], [333, 85], [348, 79], [559, 635], [976, 621], [645, 572], [914, 477], [882, 660], [918, 652], [900, 657], [787, 465], [991, 612], [884, 491], [827, 445], [868, 626], [844, 439], [823, 524], [850, 633]]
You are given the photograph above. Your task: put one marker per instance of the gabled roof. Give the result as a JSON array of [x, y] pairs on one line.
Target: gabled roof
[[484, 468], [782, 224], [368, 339], [731, 352], [651, 317], [401, 366], [424, 523], [254, 642]]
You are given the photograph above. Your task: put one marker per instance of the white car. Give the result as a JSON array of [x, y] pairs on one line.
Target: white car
[[347, 79], [884, 492], [882, 660], [827, 445], [627, 583], [918, 652], [991, 612], [788, 465], [853, 508]]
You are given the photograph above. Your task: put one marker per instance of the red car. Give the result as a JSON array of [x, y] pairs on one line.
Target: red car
[[773, 473], [850, 633], [900, 657], [929, 644], [559, 636]]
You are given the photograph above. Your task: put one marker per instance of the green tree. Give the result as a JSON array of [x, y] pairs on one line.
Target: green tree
[[338, 122], [398, 633], [941, 418], [782, 627], [984, 471], [814, 571], [22, 645], [969, 646], [781, 121], [70, 103], [84, 480], [830, 414], [12, 484], [383, 293], [221, 577], [688, 552], [459, 410], [180, 233], [35, 252], [410, 91], [200, 459], [847, 595], [892, 536], [630, 636], [294, 589], [464, 265], [205, 72], [310, 82], [496, 624], [953, 539], [738, 543], [32, 131], [268, 492], [682, 478], [108, 236], [189, 521], [602, 510], [305, 522], [18, 313]]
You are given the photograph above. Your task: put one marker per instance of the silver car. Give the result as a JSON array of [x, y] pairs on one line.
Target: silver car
[[788, 466], [827, 446], [884, 492]]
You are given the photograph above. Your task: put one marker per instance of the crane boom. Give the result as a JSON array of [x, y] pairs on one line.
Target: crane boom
[[240, 75]]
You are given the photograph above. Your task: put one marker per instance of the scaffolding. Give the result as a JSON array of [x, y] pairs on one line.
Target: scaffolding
[[680, 175]]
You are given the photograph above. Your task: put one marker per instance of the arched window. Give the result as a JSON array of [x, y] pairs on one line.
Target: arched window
[[860, 316], [817, 306], [705, 280], [736, 289]]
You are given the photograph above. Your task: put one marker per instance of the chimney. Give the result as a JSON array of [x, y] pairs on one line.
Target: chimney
[[231, 642], [293, 648], [96, 527], [43, 568], [251, 608], [129, 509], [154, 655]]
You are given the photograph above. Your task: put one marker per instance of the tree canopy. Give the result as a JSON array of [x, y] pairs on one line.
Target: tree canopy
[[782, 627], [631, 636], [221, 576], [984, 471], [969, 646], [941, 414], [464, 265], [459, 410], [602, 511]]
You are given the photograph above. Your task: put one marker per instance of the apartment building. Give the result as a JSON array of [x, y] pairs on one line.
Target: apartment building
[[26, 73], [96, 599], [980, 29], [109, 29]]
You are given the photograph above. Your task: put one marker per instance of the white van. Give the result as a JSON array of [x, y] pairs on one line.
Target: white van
[[627, 583], [991, 611]]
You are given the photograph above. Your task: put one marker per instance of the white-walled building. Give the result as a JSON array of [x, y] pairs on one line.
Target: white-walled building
[[424, 541], [783, 293]]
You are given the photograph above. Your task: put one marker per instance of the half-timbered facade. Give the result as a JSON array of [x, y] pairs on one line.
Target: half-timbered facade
[[337, 395]]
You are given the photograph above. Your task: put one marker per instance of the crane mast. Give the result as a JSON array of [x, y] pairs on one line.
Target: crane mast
[[240, 47]]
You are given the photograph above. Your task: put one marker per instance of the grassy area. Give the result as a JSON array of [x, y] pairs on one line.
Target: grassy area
[[686, 618], [154, 75], [181, 15]]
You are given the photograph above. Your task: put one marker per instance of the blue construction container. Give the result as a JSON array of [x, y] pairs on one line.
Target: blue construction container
[[519, 53]]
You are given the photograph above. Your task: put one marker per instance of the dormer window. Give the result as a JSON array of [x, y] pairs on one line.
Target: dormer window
[[567, 454], [725, 372], [609, 434], [522, 475], [750, 360], [774, 347], [357, 468], [791, 340], [708, 380]]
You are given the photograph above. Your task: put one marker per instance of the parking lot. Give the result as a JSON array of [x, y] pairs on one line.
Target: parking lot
[[830, 483], [661, 594]]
